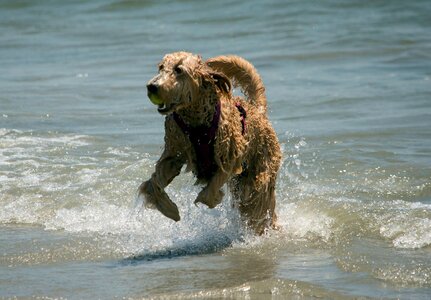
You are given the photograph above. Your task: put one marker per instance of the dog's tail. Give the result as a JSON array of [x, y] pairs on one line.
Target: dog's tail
[[243, 74]]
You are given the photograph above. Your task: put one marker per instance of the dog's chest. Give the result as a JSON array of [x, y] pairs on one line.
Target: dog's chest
[[203, 139]]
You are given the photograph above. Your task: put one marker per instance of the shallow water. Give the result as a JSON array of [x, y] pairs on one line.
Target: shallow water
[[349, 91]]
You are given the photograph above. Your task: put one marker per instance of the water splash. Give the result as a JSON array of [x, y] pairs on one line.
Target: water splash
[[66, 182]]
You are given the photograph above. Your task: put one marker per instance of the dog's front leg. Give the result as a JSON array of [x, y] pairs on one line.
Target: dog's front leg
[[212, 195], [153, 190]]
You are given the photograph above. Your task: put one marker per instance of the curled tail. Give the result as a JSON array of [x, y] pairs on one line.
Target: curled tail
[[243, 74]]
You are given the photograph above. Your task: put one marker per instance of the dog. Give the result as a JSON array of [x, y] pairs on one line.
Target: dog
[[221, 138]]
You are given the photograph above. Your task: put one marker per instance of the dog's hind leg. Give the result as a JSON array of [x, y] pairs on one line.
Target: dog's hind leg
[[257, 206]]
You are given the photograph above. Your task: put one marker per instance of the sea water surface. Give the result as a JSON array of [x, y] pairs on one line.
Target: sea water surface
[[349, 95]]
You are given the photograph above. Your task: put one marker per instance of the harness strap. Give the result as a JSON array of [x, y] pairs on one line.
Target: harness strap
[[202, 138], [243, 115], [200, 130]]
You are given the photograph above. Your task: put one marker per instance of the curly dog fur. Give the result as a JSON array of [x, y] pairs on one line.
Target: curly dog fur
[[244, 154]]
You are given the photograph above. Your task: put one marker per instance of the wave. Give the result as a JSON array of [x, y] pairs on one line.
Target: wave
[[73, 183]]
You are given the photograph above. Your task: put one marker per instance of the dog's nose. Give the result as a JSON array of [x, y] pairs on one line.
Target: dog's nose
[[152, 88]]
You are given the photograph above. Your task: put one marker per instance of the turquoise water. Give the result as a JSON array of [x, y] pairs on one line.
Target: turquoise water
[[349, 94]]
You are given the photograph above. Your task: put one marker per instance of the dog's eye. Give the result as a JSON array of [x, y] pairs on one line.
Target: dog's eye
[[160, 68], [178, 70]]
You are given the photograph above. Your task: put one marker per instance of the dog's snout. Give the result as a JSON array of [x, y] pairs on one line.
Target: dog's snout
[[152, 88]]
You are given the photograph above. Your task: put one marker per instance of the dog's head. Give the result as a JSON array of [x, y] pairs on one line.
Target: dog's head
[[180, 81]]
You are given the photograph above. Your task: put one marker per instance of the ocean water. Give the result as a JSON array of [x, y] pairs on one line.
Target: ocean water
[[349, 94]]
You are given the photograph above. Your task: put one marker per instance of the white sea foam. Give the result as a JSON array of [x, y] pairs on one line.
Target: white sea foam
[[136, 230], [80, 191], [16, 137], [22, 211], [406, 230], [301, 222]]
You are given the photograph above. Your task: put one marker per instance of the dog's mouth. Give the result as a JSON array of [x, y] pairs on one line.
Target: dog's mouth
[[164, 109]]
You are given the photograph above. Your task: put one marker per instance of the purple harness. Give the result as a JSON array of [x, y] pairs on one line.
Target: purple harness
[[243, 115], [203, 138]]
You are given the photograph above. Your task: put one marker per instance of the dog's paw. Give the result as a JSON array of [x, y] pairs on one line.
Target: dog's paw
[[155, 197], [146, 195], [209, 199]]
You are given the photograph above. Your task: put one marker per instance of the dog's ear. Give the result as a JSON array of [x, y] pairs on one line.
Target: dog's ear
[[222, 82]]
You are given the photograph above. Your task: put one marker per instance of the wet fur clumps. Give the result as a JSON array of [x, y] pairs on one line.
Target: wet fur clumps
[[244, 154]]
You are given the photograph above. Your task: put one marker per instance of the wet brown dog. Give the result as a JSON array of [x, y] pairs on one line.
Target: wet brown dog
[[220, 137]]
